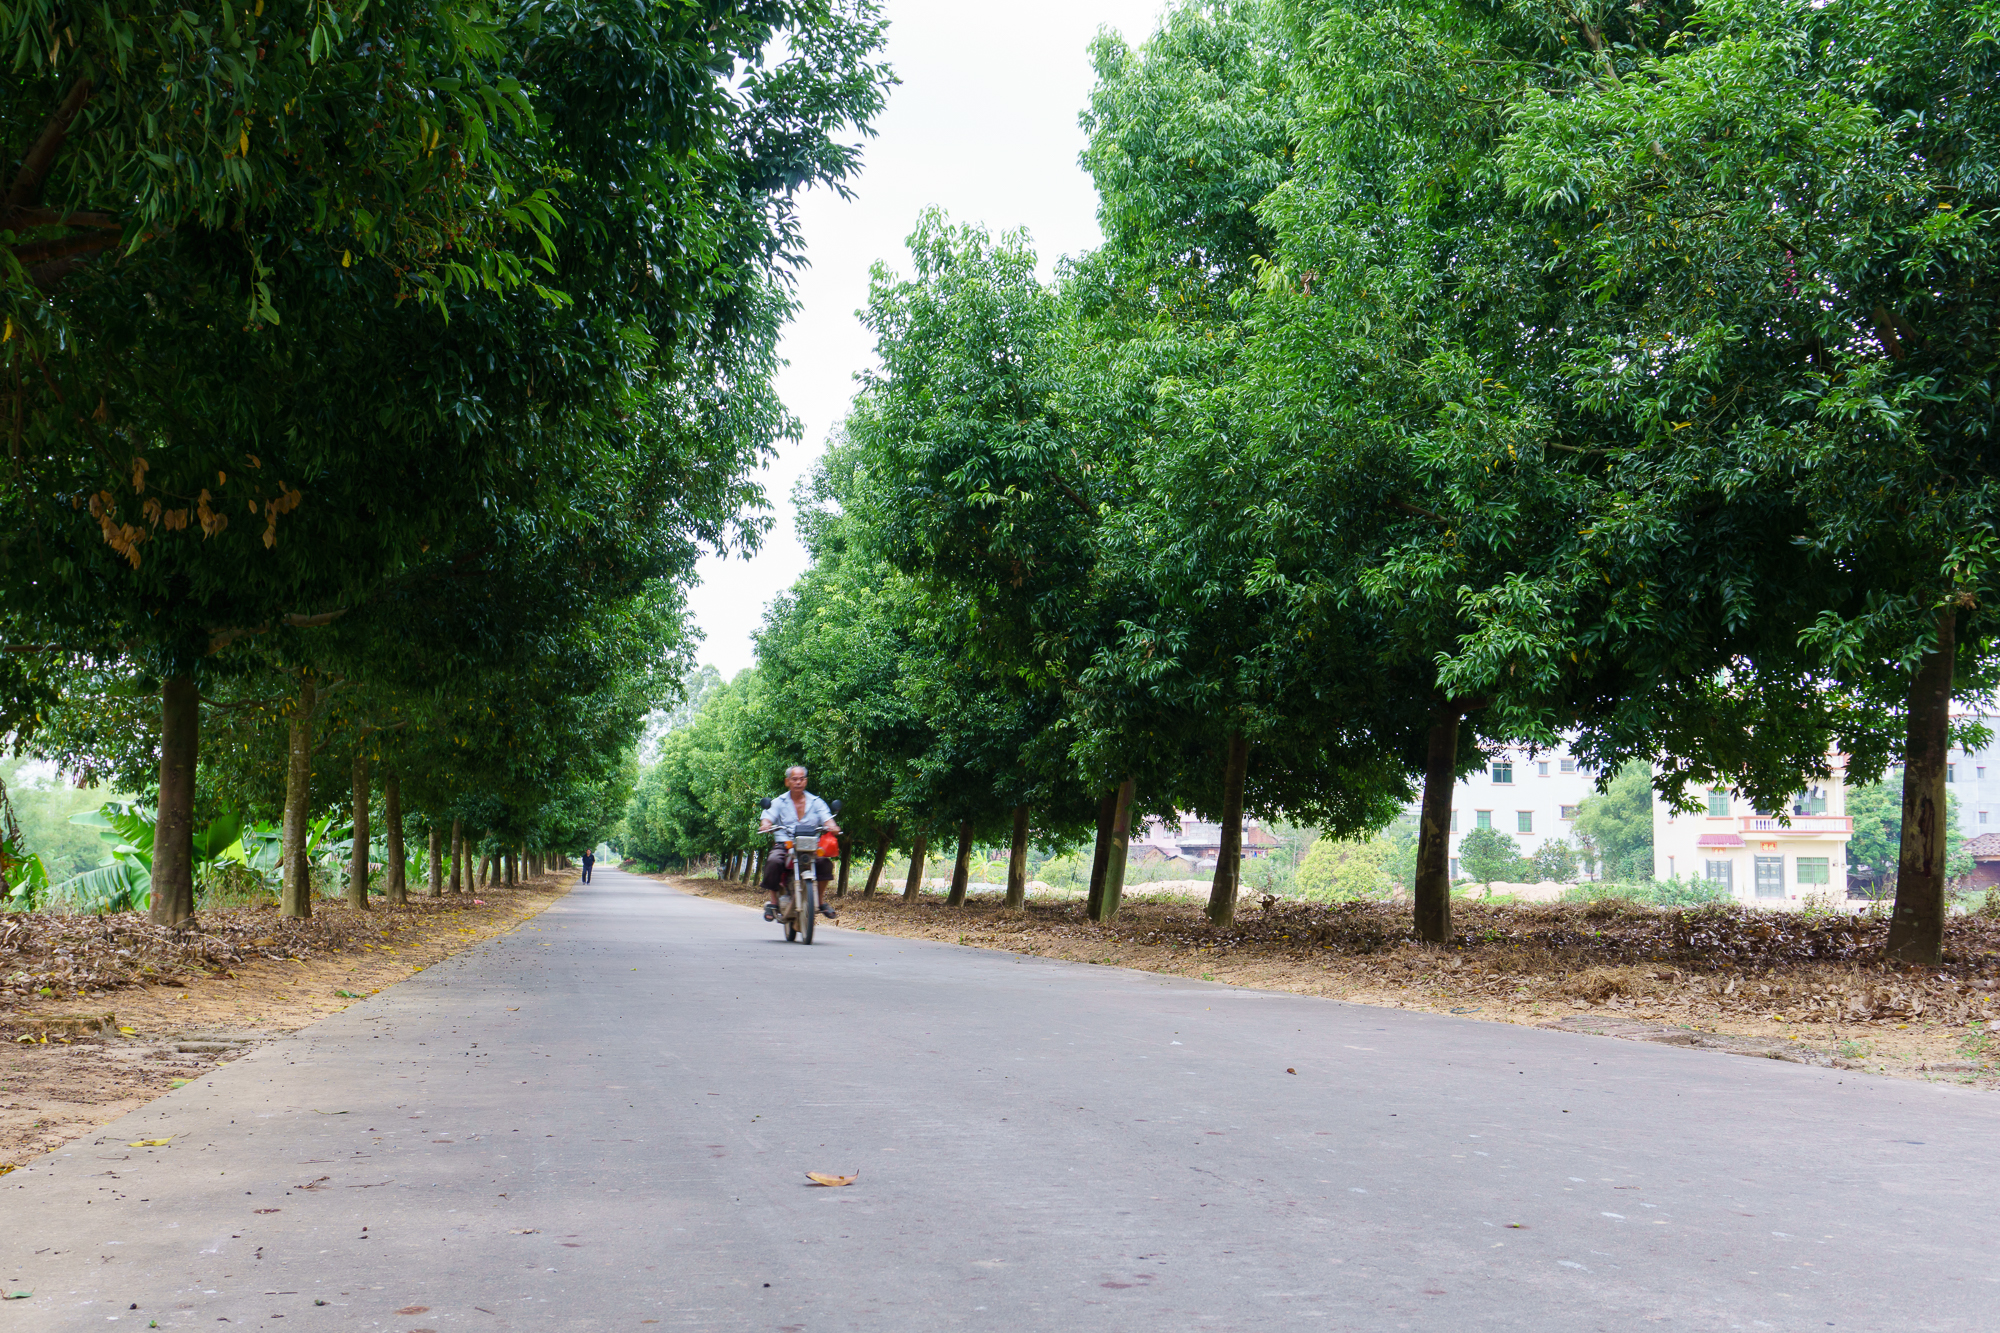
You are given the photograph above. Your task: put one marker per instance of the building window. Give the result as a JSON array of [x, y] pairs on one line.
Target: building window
[[1482, 819], [1982, 816], [1980, 772], [1718, 804], [1951, 772], [1503, 770], [1542, 767], [1812, 870], [1770, 877], [1524, 821], [1454, 867], [1569, 765], [1569, 812], [1718, 872], [1811, 803], [1454, 821]]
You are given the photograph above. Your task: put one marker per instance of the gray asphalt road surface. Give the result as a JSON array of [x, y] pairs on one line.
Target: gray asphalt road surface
[[605, 1121]]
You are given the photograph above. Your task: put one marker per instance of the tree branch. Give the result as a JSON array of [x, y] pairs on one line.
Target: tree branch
[[60, 247], [1886, 327], [1419, 511], [1078, 500], [222, 638], [27, 187], [18, 219]]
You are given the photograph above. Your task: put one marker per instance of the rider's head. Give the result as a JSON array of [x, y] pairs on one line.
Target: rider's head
[[795, 778]]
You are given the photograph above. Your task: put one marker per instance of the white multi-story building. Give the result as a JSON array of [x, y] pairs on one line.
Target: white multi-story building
[[1530, 796], [1758, 856]]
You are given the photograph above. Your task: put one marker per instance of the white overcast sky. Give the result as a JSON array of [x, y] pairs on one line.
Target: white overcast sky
[[984, 125]]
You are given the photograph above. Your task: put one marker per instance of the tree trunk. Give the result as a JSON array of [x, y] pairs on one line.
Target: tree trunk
[[1107, 811], [749, 867], [916, 879], [1916, 931], [1433, 887], [875, 870], [458, 865], [1114, 864], [437, 859], [484, 878], [173, 831], [357, 862], [846, 859], [1017, 861], [392, 815], [297, 899], [960, 868], [1228, 880]]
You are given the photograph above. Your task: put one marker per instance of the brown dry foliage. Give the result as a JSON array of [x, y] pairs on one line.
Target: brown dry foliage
[[76, 956], [1717, 959]]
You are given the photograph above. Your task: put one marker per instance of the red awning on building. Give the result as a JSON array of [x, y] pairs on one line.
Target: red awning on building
[[1719, 840]]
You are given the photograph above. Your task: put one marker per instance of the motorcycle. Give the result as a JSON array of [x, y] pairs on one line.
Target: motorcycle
[[798, 892]]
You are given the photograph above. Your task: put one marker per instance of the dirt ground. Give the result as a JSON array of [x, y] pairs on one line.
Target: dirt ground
[[98, 1016], [1791, 986]]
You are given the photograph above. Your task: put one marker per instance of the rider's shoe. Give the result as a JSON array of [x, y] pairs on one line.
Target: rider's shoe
[[826, 910], [770, 911]]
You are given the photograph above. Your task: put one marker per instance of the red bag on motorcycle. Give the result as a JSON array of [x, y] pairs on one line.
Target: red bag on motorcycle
[[829, 845]]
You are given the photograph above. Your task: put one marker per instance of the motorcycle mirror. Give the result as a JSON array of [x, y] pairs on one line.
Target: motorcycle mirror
[[833, 806]]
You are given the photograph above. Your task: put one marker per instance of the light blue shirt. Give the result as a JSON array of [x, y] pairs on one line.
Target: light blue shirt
[[786, 821]]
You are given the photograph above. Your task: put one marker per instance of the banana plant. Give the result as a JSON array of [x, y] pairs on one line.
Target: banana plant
[[124, 881], [27, 881]]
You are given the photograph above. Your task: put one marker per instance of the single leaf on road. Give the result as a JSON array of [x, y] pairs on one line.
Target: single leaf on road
[[818, 1179]]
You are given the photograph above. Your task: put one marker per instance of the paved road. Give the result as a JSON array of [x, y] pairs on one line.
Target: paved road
[[603, 1121]]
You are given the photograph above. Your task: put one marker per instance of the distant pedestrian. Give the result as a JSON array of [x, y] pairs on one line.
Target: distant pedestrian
[[589, 860]]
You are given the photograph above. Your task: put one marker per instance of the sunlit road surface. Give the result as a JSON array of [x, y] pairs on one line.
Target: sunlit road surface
[[605, 1121]]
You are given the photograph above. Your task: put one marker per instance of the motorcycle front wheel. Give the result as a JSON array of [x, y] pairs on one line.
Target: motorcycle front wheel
[[808, 901]]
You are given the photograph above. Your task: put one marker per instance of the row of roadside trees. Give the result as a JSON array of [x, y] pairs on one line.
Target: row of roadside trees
[[373, 377], [1451, 375]]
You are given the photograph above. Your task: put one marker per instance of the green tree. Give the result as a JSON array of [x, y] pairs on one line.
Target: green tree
[[389, 439], [1337, 869], [1874, 851], [1487, 854], [1555, 860], [1616, 824], [1777, 375]]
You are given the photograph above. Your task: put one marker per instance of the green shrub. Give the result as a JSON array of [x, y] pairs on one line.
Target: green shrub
[[1678, 892], [1339, 871]]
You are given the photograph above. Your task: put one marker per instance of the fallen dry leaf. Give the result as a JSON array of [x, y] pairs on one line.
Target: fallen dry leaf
[[818, 1179], [150, 1143], [415, 1309], [526, 1231]]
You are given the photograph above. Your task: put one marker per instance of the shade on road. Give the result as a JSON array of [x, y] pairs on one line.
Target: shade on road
[[604, 1121]]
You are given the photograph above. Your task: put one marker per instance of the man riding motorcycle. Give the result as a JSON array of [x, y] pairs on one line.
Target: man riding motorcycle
[[797, 813]]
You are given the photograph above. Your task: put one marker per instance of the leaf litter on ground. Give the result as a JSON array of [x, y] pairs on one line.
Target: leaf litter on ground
[[1726, 967]]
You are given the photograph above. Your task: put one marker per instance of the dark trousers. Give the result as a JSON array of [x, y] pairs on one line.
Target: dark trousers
[[586, 872], [774, 870]]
